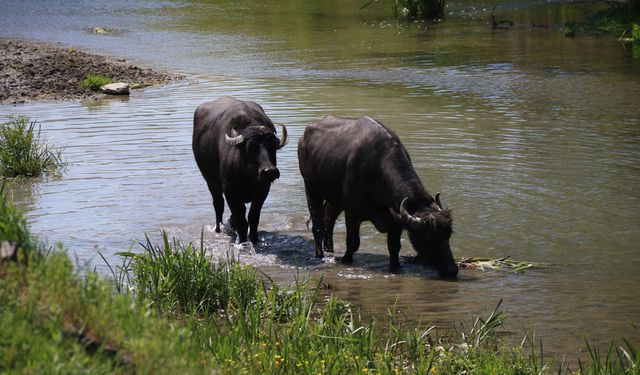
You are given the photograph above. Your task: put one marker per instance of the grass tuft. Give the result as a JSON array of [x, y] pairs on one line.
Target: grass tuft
[[24, 153], [183, 279], [93, 82]]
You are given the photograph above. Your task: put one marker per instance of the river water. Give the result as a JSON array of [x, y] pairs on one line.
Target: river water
[[532, 138]]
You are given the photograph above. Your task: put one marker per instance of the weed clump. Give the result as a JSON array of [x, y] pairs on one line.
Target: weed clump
[[24, 153], [93, 82], [179, 278]]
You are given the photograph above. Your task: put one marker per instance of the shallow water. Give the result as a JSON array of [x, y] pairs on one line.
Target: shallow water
[[532, 138]]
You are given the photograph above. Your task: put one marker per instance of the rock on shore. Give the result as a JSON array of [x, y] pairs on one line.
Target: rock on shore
[[33, 72]]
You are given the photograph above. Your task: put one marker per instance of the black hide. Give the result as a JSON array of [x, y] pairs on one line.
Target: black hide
[[234, 144], [360, 167]]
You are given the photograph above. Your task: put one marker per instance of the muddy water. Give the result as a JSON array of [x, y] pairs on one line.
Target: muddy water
[[532, 138]]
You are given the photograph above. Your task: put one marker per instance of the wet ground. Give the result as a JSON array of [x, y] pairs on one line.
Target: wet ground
[[36, 71]]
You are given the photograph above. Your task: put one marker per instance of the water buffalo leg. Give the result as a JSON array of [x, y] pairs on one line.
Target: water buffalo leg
[[353, 237], [218, 205], [331, 213], [237, 220], [316, 211], [254, 218], [393, 244]]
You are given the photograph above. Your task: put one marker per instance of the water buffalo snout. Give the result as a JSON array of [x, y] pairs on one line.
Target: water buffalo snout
[[269, 174]]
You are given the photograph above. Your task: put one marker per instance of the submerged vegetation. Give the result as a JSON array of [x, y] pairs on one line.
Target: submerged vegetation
[[23, 152], [169, 309]]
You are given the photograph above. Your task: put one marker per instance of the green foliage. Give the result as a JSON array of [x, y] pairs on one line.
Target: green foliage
[[621, 19], [54, 321], [416, 9], [93, 82], [182, 278], [635, 32], [622, 359], [24, 153]]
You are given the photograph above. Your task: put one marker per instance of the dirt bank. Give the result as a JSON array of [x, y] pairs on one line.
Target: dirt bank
[[33, 71]]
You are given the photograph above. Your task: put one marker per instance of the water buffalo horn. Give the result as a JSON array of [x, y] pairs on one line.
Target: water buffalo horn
[[235, 140], [410, 219], [438, 200], [283, 141]]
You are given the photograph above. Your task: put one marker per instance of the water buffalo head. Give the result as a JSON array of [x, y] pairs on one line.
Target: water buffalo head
[[258, 144], [429, 230]]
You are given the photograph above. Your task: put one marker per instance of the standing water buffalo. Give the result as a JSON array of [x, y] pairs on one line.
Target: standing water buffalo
[[360, 167], [234, 144]]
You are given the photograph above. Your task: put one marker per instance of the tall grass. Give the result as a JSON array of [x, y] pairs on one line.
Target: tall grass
[[23, 152], [179, 278], [619, 359]]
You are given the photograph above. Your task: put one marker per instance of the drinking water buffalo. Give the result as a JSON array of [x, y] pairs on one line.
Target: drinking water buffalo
[[360, 167], [234, 144]]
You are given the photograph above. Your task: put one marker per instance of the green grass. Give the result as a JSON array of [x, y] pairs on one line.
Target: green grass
[[23, 152], [169, 309], [182, 279], [93, 82]]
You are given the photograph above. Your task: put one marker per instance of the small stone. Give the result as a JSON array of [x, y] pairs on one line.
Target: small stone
[[101, 30], [118, 88], [8, 250]]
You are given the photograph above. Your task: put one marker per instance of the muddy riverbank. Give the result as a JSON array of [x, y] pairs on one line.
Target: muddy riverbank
[[32, 71]]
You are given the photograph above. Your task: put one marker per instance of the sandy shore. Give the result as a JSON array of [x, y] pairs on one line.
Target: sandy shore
[[39, 72]]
